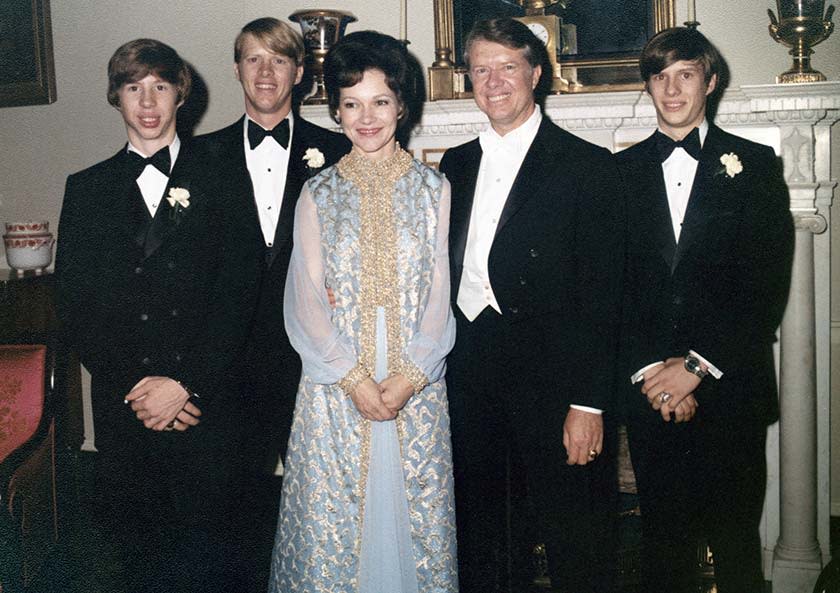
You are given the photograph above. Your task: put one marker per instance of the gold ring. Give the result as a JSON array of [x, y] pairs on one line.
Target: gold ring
[[664, 397], [592, 454], [170, 426]]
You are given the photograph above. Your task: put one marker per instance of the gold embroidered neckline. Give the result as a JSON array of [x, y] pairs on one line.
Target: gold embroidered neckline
[[378, 282], [355, 166]]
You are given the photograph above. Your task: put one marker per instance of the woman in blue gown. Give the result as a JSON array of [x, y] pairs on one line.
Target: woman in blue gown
[[367, 503]]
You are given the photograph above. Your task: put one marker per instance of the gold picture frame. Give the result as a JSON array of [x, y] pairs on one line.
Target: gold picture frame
[[578, 74], [27, 67]]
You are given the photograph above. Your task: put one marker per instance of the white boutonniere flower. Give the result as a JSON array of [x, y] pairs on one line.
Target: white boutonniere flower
[[731, 164], [179, 199], [314, 158]]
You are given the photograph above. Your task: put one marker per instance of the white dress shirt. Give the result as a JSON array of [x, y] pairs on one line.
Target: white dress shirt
[[268, 164], [501, 159], [152, 182], [679, 170]]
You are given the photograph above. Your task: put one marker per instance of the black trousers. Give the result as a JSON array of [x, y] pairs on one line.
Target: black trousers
[[501, 429], [701, 479], [163, 505], [270, 388]]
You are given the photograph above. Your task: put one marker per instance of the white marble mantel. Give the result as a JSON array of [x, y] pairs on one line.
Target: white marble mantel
[[796, 121]]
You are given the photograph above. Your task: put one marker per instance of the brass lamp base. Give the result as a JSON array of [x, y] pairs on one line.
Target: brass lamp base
[[795, 76]]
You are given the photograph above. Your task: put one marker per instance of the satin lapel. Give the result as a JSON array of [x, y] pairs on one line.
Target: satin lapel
[[135, 216], [700, 202], [531, 174], [654, 205], [167, 219], [463, 193], [296, 176], [232, 157]]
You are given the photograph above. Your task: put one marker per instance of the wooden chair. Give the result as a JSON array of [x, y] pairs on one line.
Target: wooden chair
[[28, 506]]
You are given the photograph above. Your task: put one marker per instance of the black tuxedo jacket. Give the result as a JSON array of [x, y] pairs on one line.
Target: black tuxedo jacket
[[556, 262], [268, 345], [270, 368], [170, 295], [722, 289]]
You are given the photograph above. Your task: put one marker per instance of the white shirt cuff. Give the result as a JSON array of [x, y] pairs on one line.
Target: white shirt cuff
[[713, 370], [640, 374], [586, 409]]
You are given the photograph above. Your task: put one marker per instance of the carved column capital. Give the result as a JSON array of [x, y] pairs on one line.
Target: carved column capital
[[809, 221]]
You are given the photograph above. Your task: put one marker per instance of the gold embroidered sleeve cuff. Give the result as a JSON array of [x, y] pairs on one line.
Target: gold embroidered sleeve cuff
[[352, 379], [414, 375]]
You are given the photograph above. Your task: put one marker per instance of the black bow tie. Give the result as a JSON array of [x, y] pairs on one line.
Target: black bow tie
[[159, 160], [691, 144], [256, 133]]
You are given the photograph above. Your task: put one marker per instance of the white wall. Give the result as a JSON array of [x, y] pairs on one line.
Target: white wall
[[40, 146]]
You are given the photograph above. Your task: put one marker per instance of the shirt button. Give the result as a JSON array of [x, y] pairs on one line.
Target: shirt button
[[138, 270], [495, 221], [534, 253], [270, 244], [178, 356], [269, 208], [174, 312], [522, 281], [144, 317], [146, 361], [498, 179], [514, 310]]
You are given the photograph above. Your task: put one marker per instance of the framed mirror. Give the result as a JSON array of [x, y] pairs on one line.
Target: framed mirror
[[598, 49]]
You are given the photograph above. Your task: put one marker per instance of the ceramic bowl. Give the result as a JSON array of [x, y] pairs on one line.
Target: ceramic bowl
[[32, 251], [28, 227]]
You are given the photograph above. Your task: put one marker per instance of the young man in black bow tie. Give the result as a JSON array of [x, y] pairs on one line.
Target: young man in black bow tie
[[156, 289], [709, 255], [265, 158]]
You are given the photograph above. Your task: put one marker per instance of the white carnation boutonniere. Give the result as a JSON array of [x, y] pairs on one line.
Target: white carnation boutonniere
[[314, 159], [179, 200], [731, 164]]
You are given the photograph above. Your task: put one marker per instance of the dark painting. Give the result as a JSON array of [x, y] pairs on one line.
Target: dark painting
[[27, 75], [605, 28]]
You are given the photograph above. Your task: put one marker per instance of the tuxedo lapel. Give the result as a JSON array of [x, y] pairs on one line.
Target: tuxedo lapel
[[531, 174], [296, 176], [701, 202], [232, 158], [653, 204], [167, 218], [132, 216], [461, 209]]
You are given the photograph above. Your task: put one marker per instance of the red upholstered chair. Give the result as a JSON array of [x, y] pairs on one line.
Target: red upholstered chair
[[28, 509]]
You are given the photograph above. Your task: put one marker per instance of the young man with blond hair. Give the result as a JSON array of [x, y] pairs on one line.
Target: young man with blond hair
[[264, 158]]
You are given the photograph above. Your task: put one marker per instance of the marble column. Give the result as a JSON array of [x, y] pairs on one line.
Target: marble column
[[797, 558]]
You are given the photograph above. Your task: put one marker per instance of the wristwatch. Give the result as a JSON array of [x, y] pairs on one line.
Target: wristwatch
[[694, 366]]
